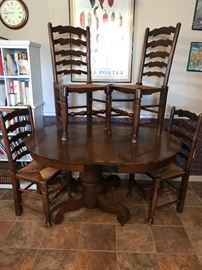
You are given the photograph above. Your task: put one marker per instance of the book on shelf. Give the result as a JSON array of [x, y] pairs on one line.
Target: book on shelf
[[27, 94], [1, 65], [22, 66], [21, 62], [19, 92], [10, 65], [23, 96], [20, 55], [2, 94], [12, 99], [11, 94], [16, 63]]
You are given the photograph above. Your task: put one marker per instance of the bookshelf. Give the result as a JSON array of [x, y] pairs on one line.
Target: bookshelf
[[20, 80]]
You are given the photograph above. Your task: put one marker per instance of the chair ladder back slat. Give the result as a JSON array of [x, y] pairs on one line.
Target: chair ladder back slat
[[16, 125], [70, 41], [163, 30], [185, 125]]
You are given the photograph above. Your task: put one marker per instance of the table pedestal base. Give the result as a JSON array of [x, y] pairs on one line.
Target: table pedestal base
[[93, 196]]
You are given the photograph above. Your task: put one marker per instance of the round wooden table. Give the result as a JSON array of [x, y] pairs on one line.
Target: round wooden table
[[87, 150]]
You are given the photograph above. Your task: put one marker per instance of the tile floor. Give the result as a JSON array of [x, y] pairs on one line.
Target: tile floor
[[89, 239]]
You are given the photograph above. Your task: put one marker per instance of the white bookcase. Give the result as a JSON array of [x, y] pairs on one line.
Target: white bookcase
[[20, 78]]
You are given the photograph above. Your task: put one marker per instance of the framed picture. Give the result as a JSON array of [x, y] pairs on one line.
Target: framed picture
[[197, 21], [111, 26], [195, 57]]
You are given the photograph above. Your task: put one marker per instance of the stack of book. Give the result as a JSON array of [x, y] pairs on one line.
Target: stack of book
[[19, 92], [16, 63]]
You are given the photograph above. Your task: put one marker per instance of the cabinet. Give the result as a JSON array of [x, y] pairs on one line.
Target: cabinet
[[20, 79]]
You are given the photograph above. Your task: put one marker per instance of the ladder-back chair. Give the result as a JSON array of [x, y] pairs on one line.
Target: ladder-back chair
[[186, 126], [16, 125], [71, 62], [157, 57]]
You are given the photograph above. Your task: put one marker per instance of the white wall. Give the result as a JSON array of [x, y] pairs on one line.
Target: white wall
[[185, 87]]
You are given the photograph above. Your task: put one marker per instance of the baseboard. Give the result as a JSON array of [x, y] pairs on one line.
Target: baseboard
[[195, 178]]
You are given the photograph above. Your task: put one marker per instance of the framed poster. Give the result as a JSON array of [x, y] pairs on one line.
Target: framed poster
[[197, 21], [195, 57], [111, 27]]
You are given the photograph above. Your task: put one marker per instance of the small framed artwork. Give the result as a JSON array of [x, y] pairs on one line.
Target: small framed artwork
[[111, 26], [195, 57], [197, 21]]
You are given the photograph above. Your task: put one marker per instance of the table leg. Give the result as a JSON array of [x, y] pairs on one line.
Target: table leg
[[93, 196]]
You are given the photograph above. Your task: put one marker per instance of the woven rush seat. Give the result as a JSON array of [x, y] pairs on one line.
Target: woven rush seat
[[172, 170], [35, 172]]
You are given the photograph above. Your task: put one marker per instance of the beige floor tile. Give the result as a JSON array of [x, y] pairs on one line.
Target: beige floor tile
[[55, 260], [31, 214], [7, 211], [25, 234], [167, 215], [192, 199], [197, 187], [178, 262], [134, 238], [17, 259], [96, 260], [62, 236], [98, 216], [195, 236], [137, 261], [5, 227], [170, 239], [191, 216], [97, 237]]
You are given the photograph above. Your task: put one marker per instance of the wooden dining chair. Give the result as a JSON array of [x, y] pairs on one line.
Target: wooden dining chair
[[16, 125], [186, 126], [157, 57], [71, 62]]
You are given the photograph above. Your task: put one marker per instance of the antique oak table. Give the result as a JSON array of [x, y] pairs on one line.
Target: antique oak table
[[87, 150]]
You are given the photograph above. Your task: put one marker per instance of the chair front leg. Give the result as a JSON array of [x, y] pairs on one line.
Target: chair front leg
[[45, 201], [17, 196], [154, 200], [182, 193]]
